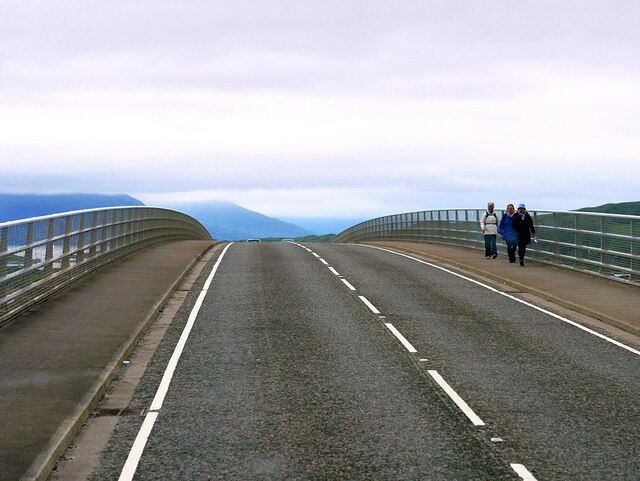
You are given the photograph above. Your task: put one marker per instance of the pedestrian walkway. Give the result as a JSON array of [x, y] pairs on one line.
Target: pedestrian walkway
[[57, 359], [611, 301]]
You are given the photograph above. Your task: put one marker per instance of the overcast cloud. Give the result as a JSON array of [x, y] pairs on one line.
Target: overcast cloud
[[323, 108]]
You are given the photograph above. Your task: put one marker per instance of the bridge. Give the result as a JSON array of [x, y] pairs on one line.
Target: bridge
[[135, 347]]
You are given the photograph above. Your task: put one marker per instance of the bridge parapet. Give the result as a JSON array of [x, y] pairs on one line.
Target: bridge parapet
[[607, 245], [41, 255]]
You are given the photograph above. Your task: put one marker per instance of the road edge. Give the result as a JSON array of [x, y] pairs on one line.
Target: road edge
[[44, 463]]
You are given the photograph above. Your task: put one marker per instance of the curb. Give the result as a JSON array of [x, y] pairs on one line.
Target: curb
[[523, 287], [44, 463]]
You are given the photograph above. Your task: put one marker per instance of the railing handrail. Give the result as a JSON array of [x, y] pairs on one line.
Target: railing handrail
[[500, 212], [41, 255], [73, 212], [605, 244]]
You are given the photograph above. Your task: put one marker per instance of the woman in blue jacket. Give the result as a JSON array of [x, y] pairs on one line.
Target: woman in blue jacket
[[507, 233]]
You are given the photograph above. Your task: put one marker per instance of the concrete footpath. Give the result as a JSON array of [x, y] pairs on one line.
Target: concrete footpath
[[57, 359], [610, 301]]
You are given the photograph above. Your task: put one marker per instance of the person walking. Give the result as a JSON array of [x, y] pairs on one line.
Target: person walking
[[523, 225], [489, 227], [507, 233]]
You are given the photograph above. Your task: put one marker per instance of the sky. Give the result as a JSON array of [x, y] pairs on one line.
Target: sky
[[323, 108]]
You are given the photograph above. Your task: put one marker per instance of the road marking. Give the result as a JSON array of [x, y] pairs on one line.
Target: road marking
[[317, 255], [368, 304], [346, 283], [402, 339], [135, 454], [523, 472], [473, 417], [323, 261], [137, 449], [533, 306], [335, 272]]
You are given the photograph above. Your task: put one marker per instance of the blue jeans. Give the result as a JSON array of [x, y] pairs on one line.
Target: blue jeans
[[490, 247]]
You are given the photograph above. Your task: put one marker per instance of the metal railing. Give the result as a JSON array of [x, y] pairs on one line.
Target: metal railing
[[607, 245], [41, 255]]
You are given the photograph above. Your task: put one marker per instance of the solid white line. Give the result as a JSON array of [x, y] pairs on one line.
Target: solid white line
[[533, 306], [346, 283], [156, 405], [402, 339], [335, 272], [135, 454], [323, 261], [456, 398], [133, 459], [367, 303], [522, 472]]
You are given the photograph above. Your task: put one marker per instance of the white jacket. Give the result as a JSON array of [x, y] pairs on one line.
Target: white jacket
[[489, 223]]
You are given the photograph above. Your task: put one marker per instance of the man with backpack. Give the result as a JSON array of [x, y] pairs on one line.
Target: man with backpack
[[489, 227]]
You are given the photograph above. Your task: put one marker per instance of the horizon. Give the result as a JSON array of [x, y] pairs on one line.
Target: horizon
[[222, 227]]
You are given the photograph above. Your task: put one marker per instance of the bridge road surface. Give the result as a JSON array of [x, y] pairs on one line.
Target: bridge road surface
[[289, 374]]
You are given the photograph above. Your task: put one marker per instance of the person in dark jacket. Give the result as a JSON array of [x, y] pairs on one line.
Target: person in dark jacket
[[506, 232], [523, 225]]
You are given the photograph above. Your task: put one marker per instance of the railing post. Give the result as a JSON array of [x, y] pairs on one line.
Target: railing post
[[48, 266], [579, 250], [604, 243], [28, 251], [94, 234], [66, 243], [556, 245], [80, 244]]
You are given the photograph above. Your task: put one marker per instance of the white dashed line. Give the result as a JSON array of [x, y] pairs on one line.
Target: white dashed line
[[135, 454], [540, 309], [523, 472], [335, 272], [368, 304], [456, 398], [323, 261], [402, 339], [346, 283], [317, 255]]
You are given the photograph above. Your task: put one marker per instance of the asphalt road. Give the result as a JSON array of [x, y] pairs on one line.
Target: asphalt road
[[289, 374]]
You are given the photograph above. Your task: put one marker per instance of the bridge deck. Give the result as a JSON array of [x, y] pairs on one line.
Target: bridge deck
[[52, 358]]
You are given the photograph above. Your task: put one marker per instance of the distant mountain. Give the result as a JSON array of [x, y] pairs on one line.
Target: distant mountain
[[23, 206], [323, 225], [621, 208], [228, 221]]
